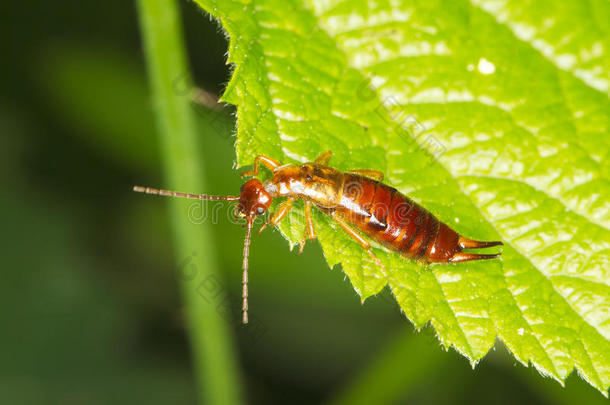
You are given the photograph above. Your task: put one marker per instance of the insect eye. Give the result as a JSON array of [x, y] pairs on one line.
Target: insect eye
[[260, 210]]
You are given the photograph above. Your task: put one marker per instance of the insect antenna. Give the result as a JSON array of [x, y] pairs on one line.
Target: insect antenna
[[168, 193], [244, 280]]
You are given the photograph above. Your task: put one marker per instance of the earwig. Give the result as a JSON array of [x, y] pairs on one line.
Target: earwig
[[355, 198]]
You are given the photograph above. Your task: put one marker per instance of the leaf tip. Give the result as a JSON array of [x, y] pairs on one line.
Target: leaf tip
[[473, 362]]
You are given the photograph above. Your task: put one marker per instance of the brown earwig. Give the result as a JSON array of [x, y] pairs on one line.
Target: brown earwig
[[356, 197]]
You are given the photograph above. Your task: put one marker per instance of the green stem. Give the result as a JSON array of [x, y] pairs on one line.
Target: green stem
[[211, 343]]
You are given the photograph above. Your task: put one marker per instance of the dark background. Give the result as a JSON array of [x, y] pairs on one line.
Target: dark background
[[90, 305]]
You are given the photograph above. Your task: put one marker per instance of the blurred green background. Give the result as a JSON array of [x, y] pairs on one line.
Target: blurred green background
[[90, 301]]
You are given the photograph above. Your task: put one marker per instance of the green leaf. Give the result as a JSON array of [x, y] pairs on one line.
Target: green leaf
[[494, 116]]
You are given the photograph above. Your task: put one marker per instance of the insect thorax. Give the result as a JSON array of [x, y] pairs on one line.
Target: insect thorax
[[319, 184]]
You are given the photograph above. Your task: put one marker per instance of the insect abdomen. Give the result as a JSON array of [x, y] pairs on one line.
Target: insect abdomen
[[394, 220]]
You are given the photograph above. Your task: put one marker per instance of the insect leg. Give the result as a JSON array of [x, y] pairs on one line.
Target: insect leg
[[324, 158], [371, 174], [279, 214], [310, 232], [363, 242], [270, 163]]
